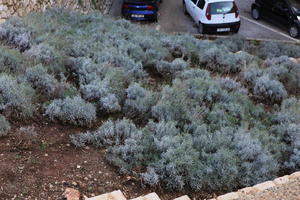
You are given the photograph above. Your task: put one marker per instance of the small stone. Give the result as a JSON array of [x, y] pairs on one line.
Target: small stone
[[72, 194], [46, 155], [50, 186], [78, 166], [74, 183], [85, 162], [68, 145], [86, 178]]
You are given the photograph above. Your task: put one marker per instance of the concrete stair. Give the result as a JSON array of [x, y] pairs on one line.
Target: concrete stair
[[118, 195]]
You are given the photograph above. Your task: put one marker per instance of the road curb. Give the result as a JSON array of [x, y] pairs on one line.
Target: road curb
[[214, 37]]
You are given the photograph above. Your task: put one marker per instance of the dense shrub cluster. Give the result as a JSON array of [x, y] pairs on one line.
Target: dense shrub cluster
[[72, 110], [16, 96], [11, 61], [168, 120], [269, 90], [41, 80]]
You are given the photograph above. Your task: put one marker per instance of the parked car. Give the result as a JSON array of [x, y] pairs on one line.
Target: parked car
[[213, 16], [140, 10], [285, 13]]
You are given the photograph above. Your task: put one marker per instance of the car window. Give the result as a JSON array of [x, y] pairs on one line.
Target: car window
[[222, 7], [194, 1], [201, 4], [281, 4]]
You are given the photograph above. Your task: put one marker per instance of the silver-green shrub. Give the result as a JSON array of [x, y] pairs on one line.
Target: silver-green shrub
[[11, 61], [15, 32], [42, 81], [139, 102], [4, 126], [171, 68], [269, 90], [43, 53], [16, 96], [71, 110]]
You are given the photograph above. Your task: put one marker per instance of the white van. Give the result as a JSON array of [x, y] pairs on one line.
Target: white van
[[213, 16]]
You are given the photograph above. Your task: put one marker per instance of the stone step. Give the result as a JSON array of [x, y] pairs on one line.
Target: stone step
[[151, 196], [185, 197], [115, 195]]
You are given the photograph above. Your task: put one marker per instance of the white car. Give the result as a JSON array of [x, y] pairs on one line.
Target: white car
[[213, 16]]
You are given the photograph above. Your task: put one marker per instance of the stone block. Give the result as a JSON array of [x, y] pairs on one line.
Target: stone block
[[229, 196], [115, 195], [264, 186], [185, 197], [247, 190], [71, 194], [295, 175], [281, 180], [151, 196]]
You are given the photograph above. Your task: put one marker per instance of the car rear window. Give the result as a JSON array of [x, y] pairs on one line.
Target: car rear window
[[222, 8]]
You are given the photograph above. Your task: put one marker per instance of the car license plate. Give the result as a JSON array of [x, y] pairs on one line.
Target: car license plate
[[223, 29], [137, 16]]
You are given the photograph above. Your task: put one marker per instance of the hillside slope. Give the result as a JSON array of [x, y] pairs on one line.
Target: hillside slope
[[171, 111]]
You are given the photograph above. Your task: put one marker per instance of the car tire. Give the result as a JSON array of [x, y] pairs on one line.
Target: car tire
[[184, 9], [201, 28], [255, 13], [294, 31]]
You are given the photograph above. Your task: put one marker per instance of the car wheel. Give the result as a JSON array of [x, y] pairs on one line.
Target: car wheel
[[294, 31], [201, 28], [184, 9], [255, 13]]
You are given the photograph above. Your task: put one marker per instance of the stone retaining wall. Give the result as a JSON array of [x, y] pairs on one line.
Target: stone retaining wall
[[22, 7], [259, 187]]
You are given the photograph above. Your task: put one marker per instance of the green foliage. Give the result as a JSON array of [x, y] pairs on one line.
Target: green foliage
[[72, 110], [16, 97], [194, 104], [4, 126]]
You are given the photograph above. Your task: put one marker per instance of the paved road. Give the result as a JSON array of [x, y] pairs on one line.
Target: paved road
[[172, 19]]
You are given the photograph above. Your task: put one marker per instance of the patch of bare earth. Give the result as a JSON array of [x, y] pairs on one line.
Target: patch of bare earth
[[42, 165]]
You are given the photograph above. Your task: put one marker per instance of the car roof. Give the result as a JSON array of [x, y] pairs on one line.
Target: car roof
[[214, 1]]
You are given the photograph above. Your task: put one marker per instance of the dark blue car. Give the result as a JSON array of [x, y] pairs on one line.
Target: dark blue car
[[140, 10]]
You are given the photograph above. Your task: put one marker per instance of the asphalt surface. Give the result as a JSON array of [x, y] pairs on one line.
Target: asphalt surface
[[172, 19]]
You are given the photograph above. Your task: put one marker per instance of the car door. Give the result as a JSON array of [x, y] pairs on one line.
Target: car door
[[282, 13], [188, 4], [267, 8], [193, 9], [199, 11]]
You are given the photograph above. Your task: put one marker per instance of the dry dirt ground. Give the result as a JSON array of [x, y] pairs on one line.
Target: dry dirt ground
[[38, 162]]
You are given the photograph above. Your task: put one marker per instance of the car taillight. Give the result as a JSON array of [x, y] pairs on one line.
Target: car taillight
[[125, 6], [208, 15], [236, 10], [150, 7]]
